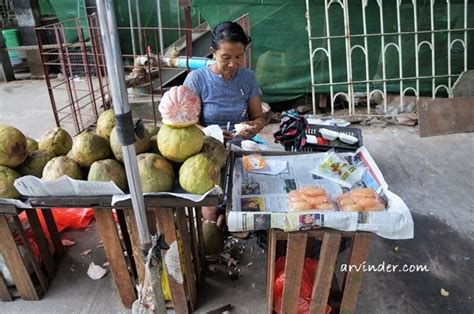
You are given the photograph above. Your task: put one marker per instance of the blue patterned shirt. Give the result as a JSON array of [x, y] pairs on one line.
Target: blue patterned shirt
[[223, 101]]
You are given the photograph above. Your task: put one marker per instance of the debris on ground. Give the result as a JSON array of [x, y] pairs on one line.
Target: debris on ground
[[106, 264], [95, 271], [444, 292], [66, 242], [86, 252]]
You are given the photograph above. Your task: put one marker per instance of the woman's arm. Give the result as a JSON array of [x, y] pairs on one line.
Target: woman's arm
[[256, 119]]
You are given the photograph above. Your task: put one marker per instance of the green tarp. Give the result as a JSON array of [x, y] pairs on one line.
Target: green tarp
[[280, 42]]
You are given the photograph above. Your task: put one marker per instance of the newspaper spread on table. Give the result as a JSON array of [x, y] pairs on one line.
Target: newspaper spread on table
[[260, 201]]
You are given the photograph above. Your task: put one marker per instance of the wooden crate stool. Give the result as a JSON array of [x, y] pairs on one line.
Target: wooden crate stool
[[342, 300], [181, 225], [34, 286]]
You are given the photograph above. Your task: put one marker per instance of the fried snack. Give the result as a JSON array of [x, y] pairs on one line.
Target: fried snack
[[310, 198], [360, 199]]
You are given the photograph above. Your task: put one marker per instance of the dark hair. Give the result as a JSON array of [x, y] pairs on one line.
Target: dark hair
[[228, 31]]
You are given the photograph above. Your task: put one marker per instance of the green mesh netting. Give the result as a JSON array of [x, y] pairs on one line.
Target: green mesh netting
[[280, 43]]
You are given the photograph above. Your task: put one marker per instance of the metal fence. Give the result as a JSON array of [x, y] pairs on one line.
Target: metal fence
[[388, 40]]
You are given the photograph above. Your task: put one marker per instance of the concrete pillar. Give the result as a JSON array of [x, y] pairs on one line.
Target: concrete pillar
[[6, 70], [28, 17]]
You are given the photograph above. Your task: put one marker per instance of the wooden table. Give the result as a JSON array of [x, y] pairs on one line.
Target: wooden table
[[26, 285], [178, 219], [325, 284]]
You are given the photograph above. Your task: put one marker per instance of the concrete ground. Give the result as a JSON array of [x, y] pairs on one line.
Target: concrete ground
[[434, 176]]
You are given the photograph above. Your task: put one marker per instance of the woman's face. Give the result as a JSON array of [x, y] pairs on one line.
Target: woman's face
[[230, 57]]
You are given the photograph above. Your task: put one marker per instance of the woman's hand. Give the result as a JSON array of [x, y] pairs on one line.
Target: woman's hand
[[228, 135], [252, 128]]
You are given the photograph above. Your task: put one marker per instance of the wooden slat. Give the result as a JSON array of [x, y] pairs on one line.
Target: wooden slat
[[15, 263], [167, 227], [325, 272], [200, 237], [135, 241], [5, 295], [6, 208], [53, 232], [29, 255], [113, 250], [189, 274], [271, 259], [293, 271], [194, 243], [42, 242], [353, 279], [445, 115], [126, 241]]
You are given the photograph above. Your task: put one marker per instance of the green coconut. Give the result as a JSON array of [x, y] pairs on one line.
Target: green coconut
[[62, 166], [213, 238], [56, 141], [156, 173], [31, 144], [152, 129], [178, 144], [141, 144], [13, 146], [89, 147], [108, 170], [199, 173], [7, 178], [35, 163], [105, 123], [215, 149]]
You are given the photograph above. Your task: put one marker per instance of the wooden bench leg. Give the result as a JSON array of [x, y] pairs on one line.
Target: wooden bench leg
[[353, 279], [113, 250], [293, 271], [272, 242], [194, 242], [135, 241], [42, 242], [189, 274], [15, 263], [167, 226], [5, 294], [53, 232], [325, 272]]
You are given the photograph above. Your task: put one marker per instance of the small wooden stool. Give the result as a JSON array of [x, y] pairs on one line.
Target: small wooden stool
[[29, 287], [180, 225], [325, 282]]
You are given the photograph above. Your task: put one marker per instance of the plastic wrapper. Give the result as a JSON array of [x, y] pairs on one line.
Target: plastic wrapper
[[310, 198], [337, 169], [360, 199], [253, 162]]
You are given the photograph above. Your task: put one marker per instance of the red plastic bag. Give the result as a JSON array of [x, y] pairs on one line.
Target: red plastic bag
[[307, 280], [77, 218]]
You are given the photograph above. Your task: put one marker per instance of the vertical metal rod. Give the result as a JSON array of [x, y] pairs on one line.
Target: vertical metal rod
[[179, 17], [188, 32], [417, 57], [150, 80], [132, 30], [90, 84], [311, 65], [465, 35], [77, 106], [113, 57], [433, 52], [382, 44], [328, 32], [66, 77], [347, 31], [160, 24], [39, 39], [400, 59], [93, 31], [366, 54], [139, 26]]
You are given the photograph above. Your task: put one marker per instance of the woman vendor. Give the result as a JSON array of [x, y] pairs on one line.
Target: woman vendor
[[229, 93]]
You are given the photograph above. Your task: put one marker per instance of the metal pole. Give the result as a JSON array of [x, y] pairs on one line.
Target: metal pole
[[160, 27], [113, 57]]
